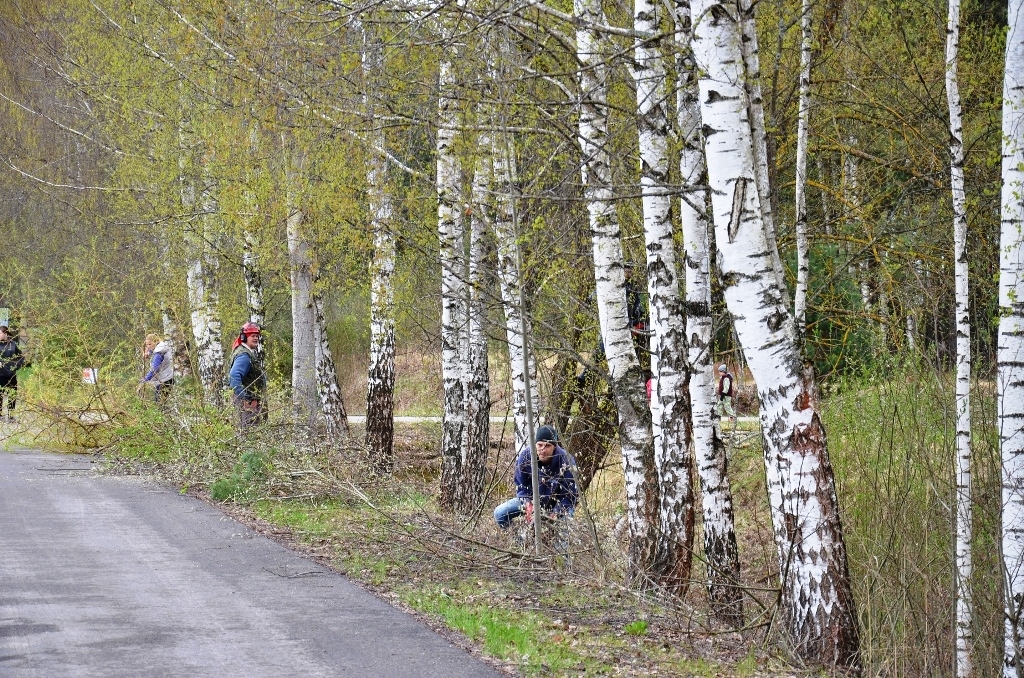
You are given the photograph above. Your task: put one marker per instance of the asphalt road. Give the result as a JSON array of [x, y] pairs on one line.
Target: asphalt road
[[112, 576]]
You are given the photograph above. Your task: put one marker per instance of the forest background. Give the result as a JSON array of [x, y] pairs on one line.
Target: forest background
[[268, 108]]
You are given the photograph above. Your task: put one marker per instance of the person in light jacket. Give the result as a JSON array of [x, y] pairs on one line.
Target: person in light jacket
[[160, 353]]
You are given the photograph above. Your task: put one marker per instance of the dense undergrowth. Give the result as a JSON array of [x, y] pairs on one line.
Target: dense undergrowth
[[891, 443]]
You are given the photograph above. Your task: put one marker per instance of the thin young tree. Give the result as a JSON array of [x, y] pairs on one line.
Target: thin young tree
[[800, 222], [670, 401], [818, 613], [1010, 352], [517, 318], [721, 553], [964, 636]]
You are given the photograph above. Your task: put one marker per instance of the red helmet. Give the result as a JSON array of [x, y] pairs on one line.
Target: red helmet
[[250, 328]]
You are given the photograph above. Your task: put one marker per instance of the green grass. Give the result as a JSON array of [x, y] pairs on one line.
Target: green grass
[[513, 635]]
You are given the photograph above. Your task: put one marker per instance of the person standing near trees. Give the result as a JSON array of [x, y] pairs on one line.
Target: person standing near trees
[[636, 312], [161, 368], [247, 376], [558, 491], [725, 392], [11, 360]]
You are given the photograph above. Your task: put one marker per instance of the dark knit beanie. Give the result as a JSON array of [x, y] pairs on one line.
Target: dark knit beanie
[[546, 434]]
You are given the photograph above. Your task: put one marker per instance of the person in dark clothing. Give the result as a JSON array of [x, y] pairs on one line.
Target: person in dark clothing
[[725, 393], [11, 360], [558, 490], [638, 319], [636, 312], [247, 376]]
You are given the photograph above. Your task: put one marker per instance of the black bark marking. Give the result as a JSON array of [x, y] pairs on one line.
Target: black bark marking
[[739, 195]]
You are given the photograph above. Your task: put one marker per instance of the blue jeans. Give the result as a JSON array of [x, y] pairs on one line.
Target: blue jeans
[[515, 507], [509, 511]]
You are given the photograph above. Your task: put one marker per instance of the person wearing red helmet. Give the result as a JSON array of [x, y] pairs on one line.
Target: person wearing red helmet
[[247, 376]]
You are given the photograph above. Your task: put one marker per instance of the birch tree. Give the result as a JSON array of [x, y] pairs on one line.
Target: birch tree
[[380, 382], [476, 374], [800, 225], [203, 263], [510, 281], [670, 402], [251, 270], [626, 377], [300, 263], [380, 385], [332, 406], [721, 554], [752, 86], [963, 351], [451, 240], [1010, 381], [817, 604]]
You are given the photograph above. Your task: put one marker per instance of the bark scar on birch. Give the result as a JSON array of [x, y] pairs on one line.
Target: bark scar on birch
[[739, 194]]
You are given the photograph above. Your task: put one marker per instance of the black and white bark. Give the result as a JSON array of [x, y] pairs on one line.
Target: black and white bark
[[721, 553], [817, 613], [476, 374], [752, 83], [332, 407], [380, 382], [201, 278], [451, 241], [802, 134], [517, 319], [670, 399], [626, 379], [300, 268], [964, 635], [1010, 378]]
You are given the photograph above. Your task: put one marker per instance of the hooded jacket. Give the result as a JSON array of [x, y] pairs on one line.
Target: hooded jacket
[[558, 491], [161, 370]]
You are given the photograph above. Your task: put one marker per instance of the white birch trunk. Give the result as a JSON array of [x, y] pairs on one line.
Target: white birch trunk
[[964, 636], [251, 270], [670, 400], [451, 240], [304, 400], [203, 297], [253, 280], [817, 604], [1010, 352], [380, 383], [721, 553], [752, 83], [803, 123], [510, 280], [627, 379], [328, 391], [476, 376]]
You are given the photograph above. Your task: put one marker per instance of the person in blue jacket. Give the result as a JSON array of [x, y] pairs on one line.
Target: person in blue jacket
[[558, 490], [247, 376]]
